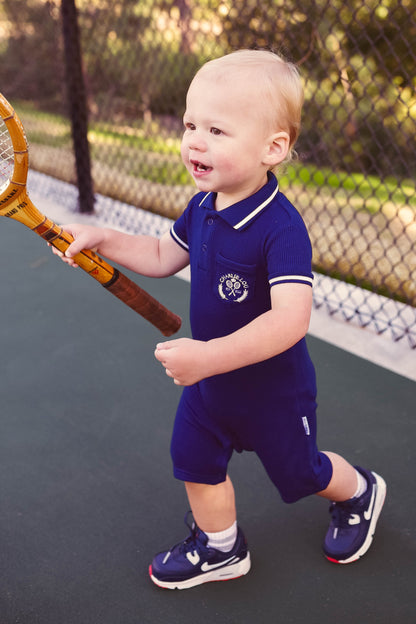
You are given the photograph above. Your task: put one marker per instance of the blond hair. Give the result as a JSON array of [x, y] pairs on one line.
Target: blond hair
[[273, 79]]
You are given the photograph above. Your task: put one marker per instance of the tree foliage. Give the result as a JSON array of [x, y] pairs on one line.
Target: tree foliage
[[357, 60]]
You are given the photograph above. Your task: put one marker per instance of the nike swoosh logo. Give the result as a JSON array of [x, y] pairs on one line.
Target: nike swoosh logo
[[193, 557], [369, 511], [206, 567]]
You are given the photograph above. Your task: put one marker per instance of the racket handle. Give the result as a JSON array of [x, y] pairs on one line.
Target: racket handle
[[113, 280], [23, 210], [143, 303]]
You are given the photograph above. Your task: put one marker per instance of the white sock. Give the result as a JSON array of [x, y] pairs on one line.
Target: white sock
[[361, 485], [223, 540]]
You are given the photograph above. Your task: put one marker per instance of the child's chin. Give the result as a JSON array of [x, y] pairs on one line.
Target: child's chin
[[203, 184]]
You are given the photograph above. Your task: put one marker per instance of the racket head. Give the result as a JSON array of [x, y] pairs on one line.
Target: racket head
[[14, 157]]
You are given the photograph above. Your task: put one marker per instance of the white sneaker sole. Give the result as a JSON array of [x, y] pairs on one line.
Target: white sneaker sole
[[226, 573], [378, 506]]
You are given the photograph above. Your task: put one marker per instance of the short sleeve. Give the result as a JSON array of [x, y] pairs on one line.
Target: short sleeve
[[179, 232], [289, 256]]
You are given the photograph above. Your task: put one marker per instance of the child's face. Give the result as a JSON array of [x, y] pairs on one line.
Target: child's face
[[225, 145]]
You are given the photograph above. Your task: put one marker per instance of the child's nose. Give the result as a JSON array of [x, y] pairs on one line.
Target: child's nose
[[197, 142]]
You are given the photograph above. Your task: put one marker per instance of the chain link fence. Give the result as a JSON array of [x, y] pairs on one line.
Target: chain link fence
[[354, 180]]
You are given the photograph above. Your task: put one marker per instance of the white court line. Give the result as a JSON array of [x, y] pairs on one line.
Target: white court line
[[58, 200]]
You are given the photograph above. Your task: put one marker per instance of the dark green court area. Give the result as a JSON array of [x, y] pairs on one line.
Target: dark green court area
[[87, 494]]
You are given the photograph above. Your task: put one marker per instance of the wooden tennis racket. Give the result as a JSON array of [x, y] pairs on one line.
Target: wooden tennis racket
[[15, 204]]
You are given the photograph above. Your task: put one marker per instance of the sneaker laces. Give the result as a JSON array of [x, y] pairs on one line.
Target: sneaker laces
[[193, 543], [342, 513]]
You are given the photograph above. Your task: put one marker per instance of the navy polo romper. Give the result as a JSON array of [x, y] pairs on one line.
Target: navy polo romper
[[236, 256]]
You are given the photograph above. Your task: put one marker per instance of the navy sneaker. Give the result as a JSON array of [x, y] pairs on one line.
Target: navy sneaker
[[353, 522], [192, 562]]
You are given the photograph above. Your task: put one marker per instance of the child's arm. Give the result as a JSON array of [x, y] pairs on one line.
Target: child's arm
[[146, 255], [188, 361]]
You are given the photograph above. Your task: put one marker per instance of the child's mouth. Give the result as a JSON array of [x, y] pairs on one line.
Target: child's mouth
[[199, 167]]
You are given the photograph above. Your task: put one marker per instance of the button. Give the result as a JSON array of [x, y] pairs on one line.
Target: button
[[204, 247], [210, 221]]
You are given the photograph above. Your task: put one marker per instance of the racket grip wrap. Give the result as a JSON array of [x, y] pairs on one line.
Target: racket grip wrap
[[139, 300]]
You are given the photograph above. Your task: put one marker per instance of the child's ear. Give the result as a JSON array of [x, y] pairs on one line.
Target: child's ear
[[276, 149]]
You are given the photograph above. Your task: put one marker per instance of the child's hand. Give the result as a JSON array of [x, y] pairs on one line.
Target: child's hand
[[85, 237], [184, 360]]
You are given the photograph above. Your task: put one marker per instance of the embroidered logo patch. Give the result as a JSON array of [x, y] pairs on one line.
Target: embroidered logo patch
[[232, 287]]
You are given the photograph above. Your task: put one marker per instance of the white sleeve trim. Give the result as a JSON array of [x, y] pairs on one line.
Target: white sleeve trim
[[291, 278], [178, 240]]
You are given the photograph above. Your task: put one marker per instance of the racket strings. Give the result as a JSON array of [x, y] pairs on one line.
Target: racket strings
[[6, 157]]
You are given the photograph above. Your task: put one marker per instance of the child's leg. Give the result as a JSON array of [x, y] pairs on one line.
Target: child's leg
[[200, 558], [343, 484], [213, 506]]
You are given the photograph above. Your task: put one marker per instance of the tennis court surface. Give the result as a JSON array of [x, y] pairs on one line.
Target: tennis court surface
[[86, 491]]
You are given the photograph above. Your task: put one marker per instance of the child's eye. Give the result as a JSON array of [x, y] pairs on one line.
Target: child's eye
[[189, 126], [216, 131]]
